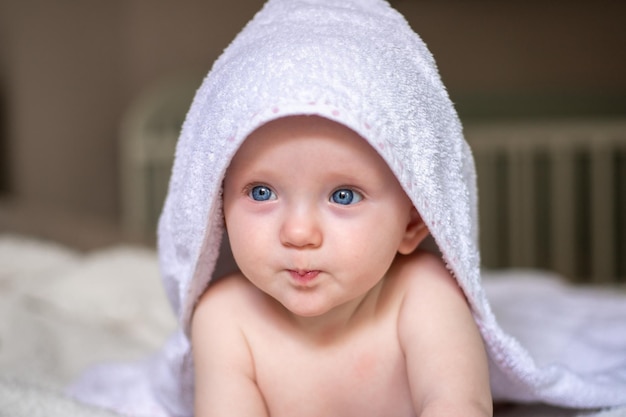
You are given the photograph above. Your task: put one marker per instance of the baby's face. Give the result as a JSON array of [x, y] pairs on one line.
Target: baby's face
[[314, 215]]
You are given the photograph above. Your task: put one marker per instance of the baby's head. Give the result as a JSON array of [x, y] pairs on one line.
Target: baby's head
[[309, 199], [357, 63]]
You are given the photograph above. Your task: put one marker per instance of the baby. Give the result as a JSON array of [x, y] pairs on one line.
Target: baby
[[335, 312], [324, 144]]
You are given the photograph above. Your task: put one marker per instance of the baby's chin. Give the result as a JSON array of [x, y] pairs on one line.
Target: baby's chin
[[320, 311]]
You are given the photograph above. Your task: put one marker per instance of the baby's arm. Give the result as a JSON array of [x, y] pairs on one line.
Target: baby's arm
[[224, 372], [446, 360]]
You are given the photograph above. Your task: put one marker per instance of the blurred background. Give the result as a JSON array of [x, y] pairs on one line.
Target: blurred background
[[93, 93], [72, 75]]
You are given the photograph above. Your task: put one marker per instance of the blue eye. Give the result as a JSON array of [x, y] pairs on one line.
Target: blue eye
[[261, 193], [346, 197]]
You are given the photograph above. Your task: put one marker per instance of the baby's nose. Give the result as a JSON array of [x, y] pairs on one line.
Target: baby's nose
[[301, 229]]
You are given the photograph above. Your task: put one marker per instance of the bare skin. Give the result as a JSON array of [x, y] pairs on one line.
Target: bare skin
[[330, 316]]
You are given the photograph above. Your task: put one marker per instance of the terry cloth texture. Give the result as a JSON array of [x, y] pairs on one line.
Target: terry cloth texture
[[356, 62]]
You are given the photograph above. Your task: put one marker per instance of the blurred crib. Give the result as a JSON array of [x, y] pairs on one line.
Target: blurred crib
[[148, 136], [552, 194]]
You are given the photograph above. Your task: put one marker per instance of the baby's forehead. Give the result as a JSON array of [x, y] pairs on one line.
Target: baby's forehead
[[298, 124], [305, 133]]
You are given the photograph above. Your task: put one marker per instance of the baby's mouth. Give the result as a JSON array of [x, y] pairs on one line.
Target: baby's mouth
[[303, 276]]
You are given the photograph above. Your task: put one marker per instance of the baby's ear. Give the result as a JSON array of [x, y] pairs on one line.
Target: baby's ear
[[416, 231]]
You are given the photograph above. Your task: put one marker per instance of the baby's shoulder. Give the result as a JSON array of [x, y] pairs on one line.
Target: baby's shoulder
[[423, 279], [229, 296], [418, 268], [227, 286]]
